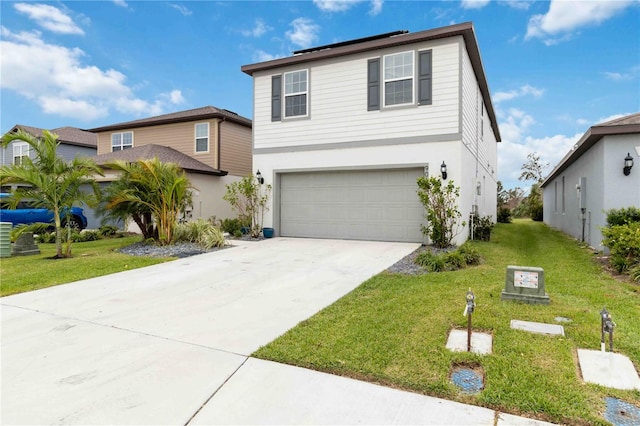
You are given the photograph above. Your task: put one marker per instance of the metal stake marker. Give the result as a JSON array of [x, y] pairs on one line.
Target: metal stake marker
[[606, 326], [468, 311]]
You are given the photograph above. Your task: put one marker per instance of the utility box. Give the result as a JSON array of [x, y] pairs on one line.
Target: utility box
[[525, 284]]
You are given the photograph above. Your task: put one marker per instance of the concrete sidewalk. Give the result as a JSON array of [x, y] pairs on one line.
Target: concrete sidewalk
[[169, 344]]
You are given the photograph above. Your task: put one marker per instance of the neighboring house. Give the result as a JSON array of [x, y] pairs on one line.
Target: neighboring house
[[73, 142], [343, 131], [212, 145], [592, 178]]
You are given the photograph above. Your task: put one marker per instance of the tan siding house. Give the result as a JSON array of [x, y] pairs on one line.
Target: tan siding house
[[212, 145]]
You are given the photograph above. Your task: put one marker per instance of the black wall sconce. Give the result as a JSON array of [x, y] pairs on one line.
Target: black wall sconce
[[628, 164], [259, 177], [443, 170]]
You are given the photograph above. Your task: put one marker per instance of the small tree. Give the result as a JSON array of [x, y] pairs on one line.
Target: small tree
[[442, 215], [249, 199], [54, 183], [532, 170]]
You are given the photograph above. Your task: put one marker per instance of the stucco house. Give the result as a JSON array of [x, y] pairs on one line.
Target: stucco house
[[212, 145], [598, 174], [343, 131]]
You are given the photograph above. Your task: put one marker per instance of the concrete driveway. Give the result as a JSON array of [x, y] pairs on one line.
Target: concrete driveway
[[152, 345]]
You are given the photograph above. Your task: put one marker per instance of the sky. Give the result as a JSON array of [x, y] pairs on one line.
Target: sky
[[554, 68]]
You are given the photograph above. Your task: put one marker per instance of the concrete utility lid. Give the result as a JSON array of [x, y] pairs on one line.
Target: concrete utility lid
[[608, 369], [481, 343], [538, 327]]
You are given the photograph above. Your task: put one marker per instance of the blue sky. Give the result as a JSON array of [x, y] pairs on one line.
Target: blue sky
[[554, 68]]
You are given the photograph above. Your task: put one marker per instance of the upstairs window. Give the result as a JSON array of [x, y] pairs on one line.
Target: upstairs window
[[295, 93], [20, 152], [398, 79], [202, 137], [120, 141]]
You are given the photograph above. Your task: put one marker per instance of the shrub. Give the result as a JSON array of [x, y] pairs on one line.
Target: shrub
[[481, 227], [634, 272], [108, 230], [536, 212], [623, 242], [46, 237], [623, 216], [454, 261], [430, 261], [87, 235], [470, 254], [212, 237], [504, 215], [440, 202], [232, 226], [201, 232]]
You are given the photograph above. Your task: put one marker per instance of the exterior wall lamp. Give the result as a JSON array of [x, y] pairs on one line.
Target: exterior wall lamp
[[628, 164], [443, 170], [259, 177]]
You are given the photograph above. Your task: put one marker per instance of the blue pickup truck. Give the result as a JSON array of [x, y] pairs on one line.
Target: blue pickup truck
[[26, 213]]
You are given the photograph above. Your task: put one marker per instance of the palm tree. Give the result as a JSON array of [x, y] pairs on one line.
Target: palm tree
[[152, 193], [54, 183]]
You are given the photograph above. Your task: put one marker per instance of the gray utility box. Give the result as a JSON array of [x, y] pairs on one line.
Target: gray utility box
[[525, 284]]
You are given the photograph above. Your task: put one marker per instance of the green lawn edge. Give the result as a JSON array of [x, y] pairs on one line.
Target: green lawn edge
[[392, 329]]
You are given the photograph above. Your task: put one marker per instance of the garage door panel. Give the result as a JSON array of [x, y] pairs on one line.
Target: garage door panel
[[369, 205]]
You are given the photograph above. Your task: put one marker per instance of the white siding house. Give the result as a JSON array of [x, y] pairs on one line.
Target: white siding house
[[343, 131], [591, 179]]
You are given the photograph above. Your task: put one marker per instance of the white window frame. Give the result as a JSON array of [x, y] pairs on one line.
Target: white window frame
[[22, 152], [386, 80], [291, 94], [196, 137], [122, 146]]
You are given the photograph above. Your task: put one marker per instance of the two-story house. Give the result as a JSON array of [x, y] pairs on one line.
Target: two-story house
[[212, 145], [343, 131]]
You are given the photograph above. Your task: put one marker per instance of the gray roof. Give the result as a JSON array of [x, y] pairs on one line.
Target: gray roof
[[178, 117], [67, 135], [162, 153], [620, 126], [374, 43]]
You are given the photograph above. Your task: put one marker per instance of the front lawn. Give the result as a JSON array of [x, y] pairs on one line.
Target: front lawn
[[393, 329], [90, 259]]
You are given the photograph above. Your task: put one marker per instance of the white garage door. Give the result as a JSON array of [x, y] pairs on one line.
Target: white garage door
[[377, 205]]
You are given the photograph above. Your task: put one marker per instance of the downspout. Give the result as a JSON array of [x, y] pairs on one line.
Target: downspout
[[218, 137]]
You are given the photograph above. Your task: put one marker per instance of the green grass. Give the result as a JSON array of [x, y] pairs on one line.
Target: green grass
[[393, 329], [91, 259]]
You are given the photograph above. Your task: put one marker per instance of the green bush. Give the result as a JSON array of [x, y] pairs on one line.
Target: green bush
[[482, 226], [108, 230], [463, 256], [201, 232], [46, 237], [504, 215], [623, 216], [470, 254], [536, 212], [634, 272], [623, 242], [232, 226], [87, 235]]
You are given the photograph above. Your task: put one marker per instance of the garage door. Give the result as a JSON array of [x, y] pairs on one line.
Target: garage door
[[377, 205]]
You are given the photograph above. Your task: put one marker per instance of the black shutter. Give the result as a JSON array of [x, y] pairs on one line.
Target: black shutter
[[373, 84], [424, 78], [276, 98]]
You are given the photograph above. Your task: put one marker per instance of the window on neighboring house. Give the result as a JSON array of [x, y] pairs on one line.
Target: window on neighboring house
[[398, 79], [202, 137], [295, 93], [563, 194], [20, 151], [120, 141]]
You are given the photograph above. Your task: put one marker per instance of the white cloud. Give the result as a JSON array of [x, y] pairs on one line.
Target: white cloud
[[567, 16], [376, 7], [49, 17], [175, 97], [622, 76], [516, 93], [61, 84], [262, 56], [182, 9], [121, 3], [474, 4], [517, 144], [304, 32], [259, 29], [518, 4], [611, 117]]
